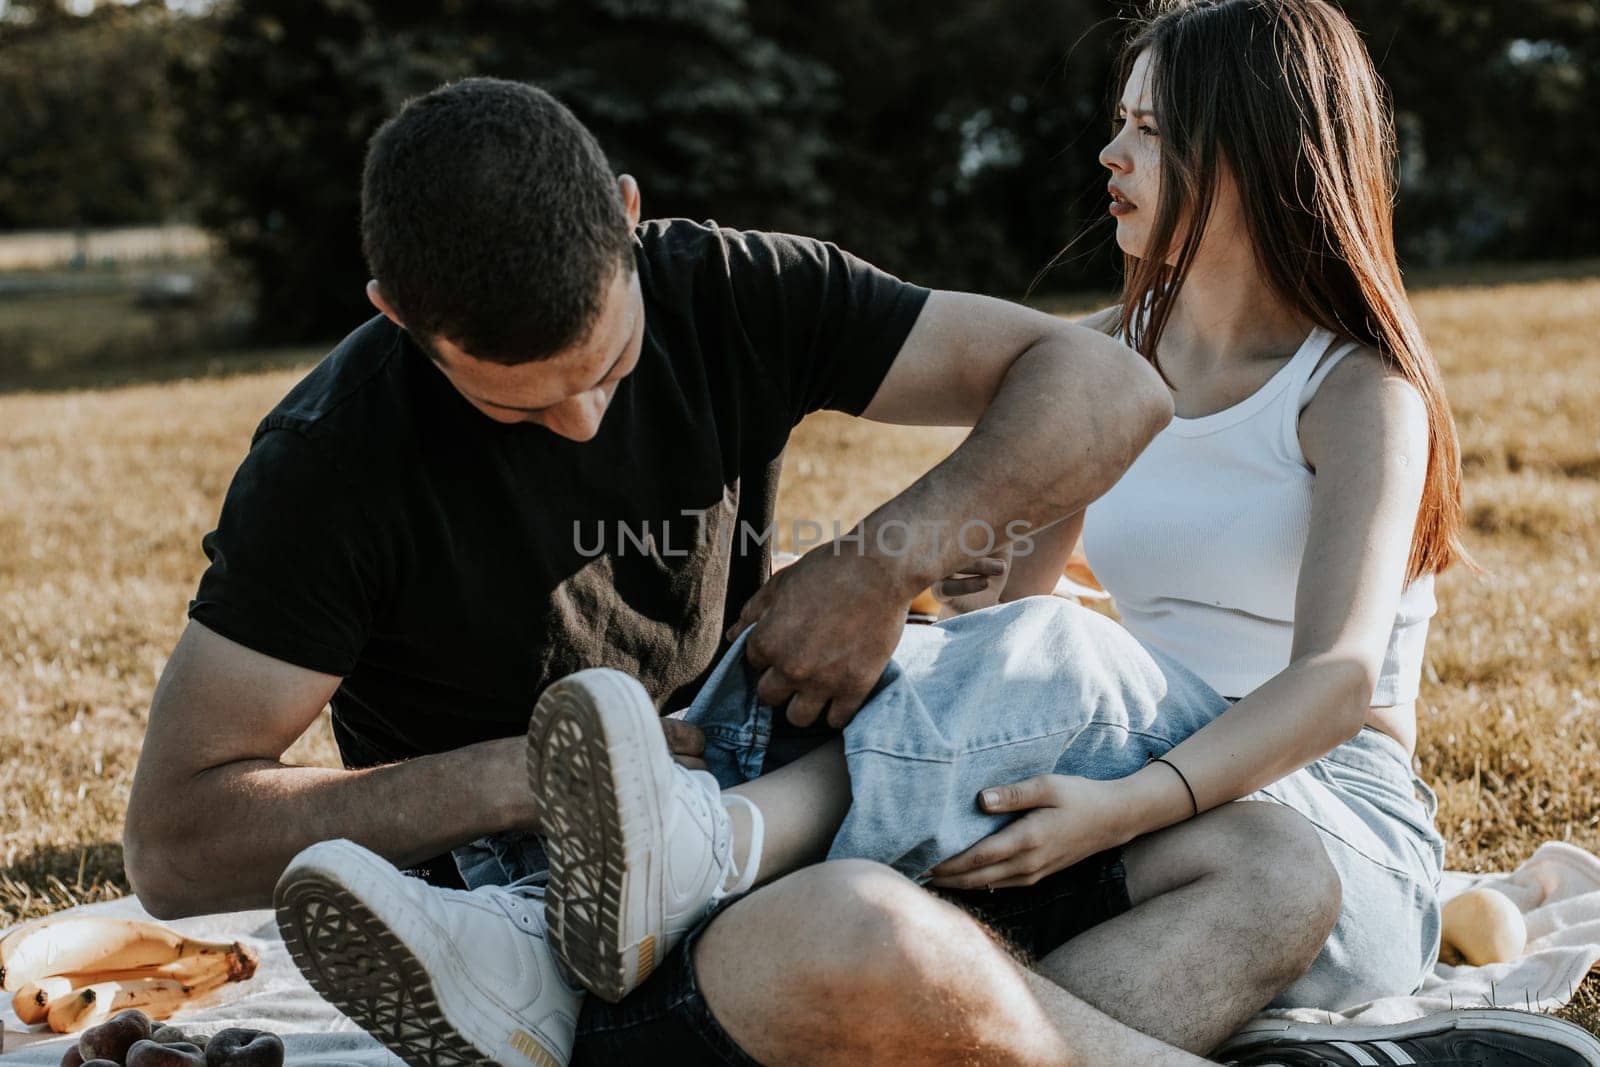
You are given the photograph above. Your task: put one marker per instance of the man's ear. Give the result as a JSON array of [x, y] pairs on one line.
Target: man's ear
[[375, 294], [630, 197]]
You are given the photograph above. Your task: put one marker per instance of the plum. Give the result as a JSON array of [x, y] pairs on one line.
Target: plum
[[155, 1054], [72, 1057], [237, 1047], [112, 1039], [101, 1063]]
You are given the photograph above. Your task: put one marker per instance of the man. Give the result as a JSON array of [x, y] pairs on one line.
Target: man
[[410, 538]]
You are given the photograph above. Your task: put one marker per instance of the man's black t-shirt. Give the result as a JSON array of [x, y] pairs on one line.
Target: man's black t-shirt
[[448, 567]]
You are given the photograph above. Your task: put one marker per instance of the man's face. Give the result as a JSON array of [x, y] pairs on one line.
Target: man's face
[[569, 392]]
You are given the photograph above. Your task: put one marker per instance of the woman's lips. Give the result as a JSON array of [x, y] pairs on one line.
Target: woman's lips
[[1120, 208]]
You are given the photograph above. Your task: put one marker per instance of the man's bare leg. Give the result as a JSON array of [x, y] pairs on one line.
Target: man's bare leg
[[848, 962], [1229, 909]]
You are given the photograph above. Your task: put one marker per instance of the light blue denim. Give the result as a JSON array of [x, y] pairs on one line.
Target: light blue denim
[[1042, 685]]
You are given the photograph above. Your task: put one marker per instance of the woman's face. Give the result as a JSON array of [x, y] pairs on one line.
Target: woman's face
[[1134, 159]]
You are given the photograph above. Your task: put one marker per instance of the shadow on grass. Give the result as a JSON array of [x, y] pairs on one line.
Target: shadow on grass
[[58, 877], [157, 372]]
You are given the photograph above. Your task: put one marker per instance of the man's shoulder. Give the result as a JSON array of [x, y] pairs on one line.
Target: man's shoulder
[[677, 244], [359, 368]]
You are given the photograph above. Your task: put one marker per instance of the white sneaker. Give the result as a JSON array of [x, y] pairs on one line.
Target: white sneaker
[[639, 846], [440, 976]]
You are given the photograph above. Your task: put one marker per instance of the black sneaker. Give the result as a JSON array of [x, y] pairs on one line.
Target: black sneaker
[[1486, 1037]]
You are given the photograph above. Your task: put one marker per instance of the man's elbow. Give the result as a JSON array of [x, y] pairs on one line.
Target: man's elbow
[[1124, 385]]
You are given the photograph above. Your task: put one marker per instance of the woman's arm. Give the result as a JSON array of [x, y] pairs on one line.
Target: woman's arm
[[1366, 435], [1004, 575], [1037, 573]]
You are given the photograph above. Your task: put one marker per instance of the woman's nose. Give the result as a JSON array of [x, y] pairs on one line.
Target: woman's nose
[[1112, 158]]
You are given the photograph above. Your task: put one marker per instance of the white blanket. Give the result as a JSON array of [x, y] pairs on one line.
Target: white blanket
[[1558, 890]]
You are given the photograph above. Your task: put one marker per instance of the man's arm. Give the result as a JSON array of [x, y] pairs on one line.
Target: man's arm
[[215, 817], [1036, 572], [1058, 411]]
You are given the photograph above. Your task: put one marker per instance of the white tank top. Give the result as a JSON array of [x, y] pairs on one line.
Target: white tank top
[[1200, 542]]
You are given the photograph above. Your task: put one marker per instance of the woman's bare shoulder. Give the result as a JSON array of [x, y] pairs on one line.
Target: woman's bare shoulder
[[1363, 398]]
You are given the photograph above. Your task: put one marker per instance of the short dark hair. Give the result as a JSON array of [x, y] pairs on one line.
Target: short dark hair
[[489, 216]]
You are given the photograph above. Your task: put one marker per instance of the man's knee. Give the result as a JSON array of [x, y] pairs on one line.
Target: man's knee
[[881, 931], [847, 939], [1269, 860], [848, 927]]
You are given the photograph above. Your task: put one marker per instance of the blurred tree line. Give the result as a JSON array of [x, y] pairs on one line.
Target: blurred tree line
[[953, 143]]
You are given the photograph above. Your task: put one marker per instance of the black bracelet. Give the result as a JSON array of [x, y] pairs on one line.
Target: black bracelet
[[1181, 777]]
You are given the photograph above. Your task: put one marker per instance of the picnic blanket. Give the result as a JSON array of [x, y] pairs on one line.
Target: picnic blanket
[[1557, 889]]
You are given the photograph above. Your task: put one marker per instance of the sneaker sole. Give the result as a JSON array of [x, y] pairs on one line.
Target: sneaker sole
[[602, 831], [1497, 1020], [355, 960]]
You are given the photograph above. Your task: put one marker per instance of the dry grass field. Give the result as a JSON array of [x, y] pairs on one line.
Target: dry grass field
[[105, 493]]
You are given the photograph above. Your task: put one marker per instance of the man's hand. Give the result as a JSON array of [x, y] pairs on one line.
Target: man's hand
[[825, 627], [686, 742], [1066, 819]]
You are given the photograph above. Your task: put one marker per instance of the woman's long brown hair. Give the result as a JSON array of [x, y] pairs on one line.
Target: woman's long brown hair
[[1284, 93]]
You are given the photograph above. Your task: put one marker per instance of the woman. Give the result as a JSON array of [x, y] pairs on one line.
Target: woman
[[1272, 553], [1280, 537]]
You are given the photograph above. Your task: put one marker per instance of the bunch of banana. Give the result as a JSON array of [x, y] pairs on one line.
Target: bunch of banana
[[76, 971]]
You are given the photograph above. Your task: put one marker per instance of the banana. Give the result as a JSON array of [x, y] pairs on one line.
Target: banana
[[202, 972], [93, 943], [33, 1000], [235, 965], [73, 1013], [156, 997]]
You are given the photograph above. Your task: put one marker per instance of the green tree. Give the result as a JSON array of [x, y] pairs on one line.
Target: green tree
[[965, 141], [86, 129], [712, 118], [1496, 101]]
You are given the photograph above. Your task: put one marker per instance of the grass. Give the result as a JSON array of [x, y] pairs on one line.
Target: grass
[[109, 489]]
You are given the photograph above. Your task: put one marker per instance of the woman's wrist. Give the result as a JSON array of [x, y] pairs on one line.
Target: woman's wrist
[[1155, 797]]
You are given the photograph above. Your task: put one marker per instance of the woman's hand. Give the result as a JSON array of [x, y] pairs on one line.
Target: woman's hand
[[978, 585], [1067, 819]]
